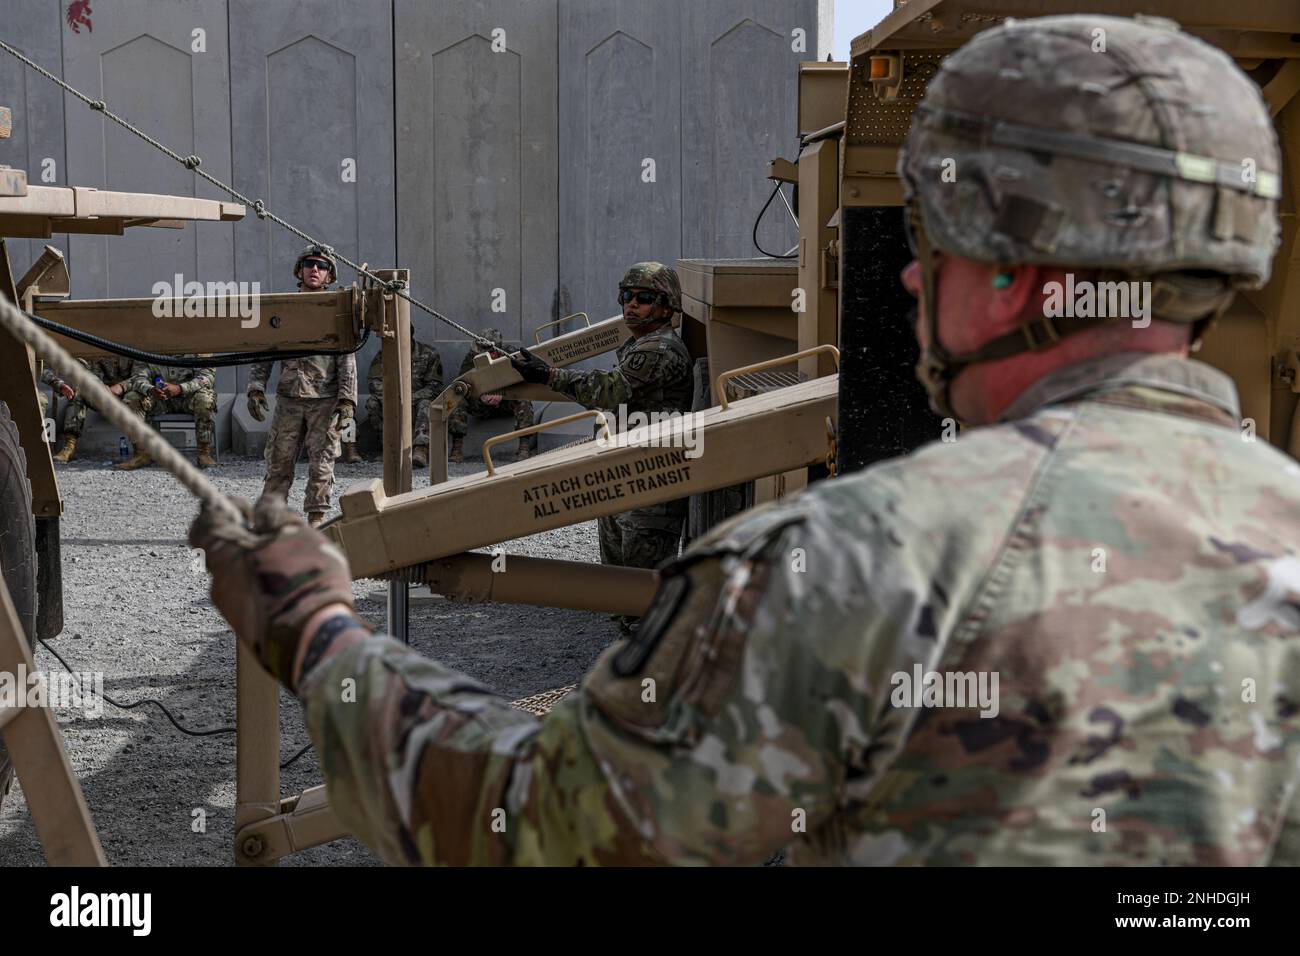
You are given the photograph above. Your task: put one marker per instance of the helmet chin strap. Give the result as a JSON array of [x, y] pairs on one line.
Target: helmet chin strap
[[936, 367]]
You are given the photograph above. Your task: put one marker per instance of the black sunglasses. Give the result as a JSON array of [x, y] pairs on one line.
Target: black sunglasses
[[317, 263], [642, 298]]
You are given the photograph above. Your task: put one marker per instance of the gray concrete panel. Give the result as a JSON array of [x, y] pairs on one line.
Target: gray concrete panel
[[312, 113], [620, 106], [141, 57], [476, 163], [740, 111], [32, 27]]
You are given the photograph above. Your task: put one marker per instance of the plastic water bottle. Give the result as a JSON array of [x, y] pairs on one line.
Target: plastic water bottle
[[123, 449]]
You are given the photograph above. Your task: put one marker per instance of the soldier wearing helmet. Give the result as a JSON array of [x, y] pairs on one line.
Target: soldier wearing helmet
[[652, 375], [316, 402], [1068, 637], [486, 406]]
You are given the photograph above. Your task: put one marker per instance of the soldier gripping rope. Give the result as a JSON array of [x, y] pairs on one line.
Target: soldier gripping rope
[[653, 374], [316, 398], [163, 389], [486, 406], [782, 688], [115, 372], [426, 384]]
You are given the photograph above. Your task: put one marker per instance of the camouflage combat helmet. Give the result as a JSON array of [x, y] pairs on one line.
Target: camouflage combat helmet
[[1104, 143], [323, 252], [657, 277], [494, 336]]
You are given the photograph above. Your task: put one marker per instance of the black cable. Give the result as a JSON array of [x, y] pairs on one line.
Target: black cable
[[219, 360], [757, 221], [149, 700], [146, 700], [295, 756], [762, 212]]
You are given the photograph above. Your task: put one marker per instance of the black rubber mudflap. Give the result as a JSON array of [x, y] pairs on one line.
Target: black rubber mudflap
[[883, 410], [49, 579]]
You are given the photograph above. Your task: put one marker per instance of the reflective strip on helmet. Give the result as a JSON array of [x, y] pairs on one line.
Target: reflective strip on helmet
[[1138, 156]]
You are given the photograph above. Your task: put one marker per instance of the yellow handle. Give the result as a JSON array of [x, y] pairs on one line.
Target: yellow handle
[[533, 429], [537, 336], [727, 376]]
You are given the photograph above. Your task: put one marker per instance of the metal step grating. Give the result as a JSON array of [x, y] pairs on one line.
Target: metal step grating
[[756, 383], [539, 705]]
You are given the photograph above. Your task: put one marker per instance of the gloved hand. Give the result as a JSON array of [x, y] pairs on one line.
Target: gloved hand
[[344, 412], [530, 367], [257, 405], [269, 576]]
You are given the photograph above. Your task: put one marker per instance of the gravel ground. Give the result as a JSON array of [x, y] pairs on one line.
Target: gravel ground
[[136, 609]]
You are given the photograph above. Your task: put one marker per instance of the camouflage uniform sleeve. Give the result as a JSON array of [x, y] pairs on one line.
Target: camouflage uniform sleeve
[[200, 379], [258, 376], [694, 743], [427, 380], [142, 377], [48, 377], [641, 369], [594, 389], [375, 377], [348, 378]]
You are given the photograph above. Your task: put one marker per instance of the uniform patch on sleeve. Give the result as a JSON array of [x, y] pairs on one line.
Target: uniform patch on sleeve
[[636, 361]]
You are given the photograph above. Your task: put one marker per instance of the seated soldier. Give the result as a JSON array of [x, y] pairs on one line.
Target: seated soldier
[[488, 406], [171, 389], [426, 384], [115, 372], [63, 388]]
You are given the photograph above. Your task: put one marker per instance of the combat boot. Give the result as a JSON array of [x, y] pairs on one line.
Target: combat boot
[[457, 448], [138, 460], [69, 448], [314, 518], [205, 458], [524, 450], [420, 456], [350, 454]]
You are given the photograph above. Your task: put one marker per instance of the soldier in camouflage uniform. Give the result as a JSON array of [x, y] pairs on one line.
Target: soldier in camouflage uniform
[[181, 391], [653, 374], [426, 385], [115, 372], [47, 377], [316, 399], [487, 406], [1103, 541]]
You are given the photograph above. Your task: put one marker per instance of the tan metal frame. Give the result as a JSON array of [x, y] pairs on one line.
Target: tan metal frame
[[35, 745]]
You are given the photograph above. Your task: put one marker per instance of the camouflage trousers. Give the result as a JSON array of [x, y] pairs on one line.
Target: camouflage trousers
[[419, 418], [458, 423], [644, 538], [201, 404], [297, 419]]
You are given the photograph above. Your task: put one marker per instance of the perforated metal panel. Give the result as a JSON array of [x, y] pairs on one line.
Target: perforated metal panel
[[875, 122]]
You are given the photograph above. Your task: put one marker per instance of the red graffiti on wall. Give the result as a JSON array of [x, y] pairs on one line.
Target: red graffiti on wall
[[78, 13]]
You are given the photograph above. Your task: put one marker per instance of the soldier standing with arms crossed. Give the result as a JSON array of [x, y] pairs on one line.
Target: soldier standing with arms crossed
[[1161, 692], [315, 399]]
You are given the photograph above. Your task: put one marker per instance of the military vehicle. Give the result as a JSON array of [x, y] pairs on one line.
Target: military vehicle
[[775, 408]]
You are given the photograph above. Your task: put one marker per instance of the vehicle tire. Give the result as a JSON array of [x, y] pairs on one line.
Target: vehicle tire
[[17, 545]]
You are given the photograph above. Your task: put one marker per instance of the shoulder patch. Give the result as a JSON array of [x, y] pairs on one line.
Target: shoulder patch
[[636, 361]]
